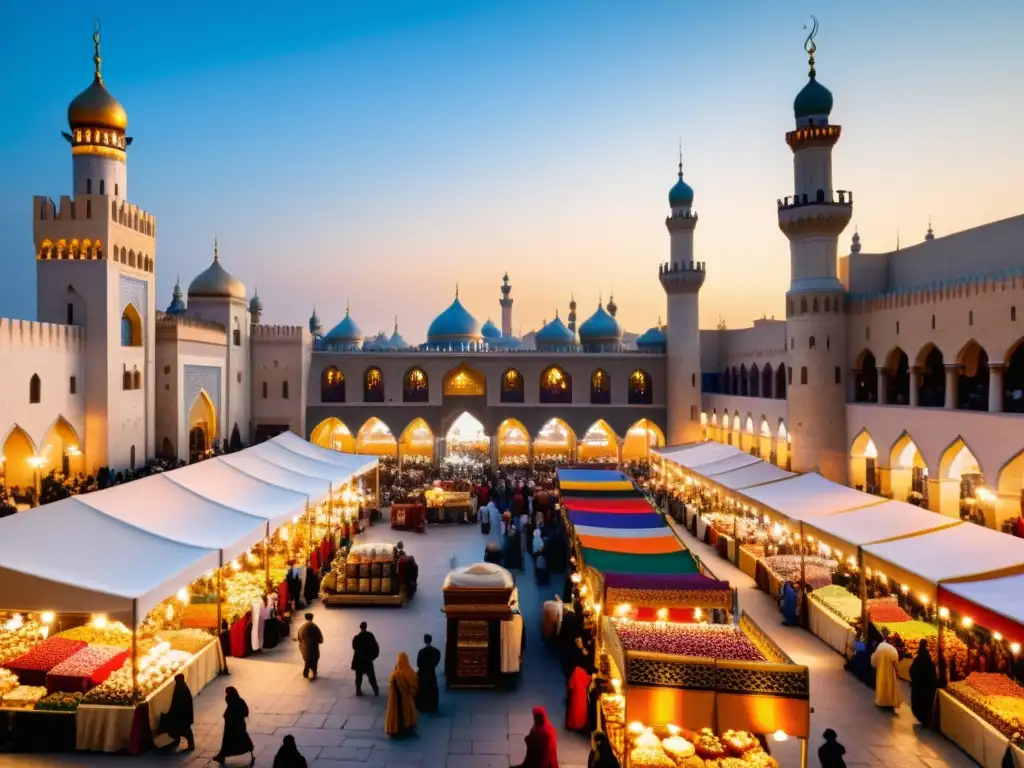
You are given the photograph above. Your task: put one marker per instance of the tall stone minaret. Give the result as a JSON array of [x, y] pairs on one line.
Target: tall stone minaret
[[572, 314], [682, 278], [506, 306], [813, 218]]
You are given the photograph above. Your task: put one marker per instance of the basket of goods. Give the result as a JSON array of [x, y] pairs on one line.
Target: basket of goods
[[59, 702], [85, 669], [8, 681], [24, 696], [677, 748], [31, 667], [366, 565], [646, 751]]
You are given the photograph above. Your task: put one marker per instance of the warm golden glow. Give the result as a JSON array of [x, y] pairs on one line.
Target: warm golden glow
[[464, 381]]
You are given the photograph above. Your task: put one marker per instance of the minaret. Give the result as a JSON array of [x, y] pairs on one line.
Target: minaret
[[812, 219], [929, 235], [572, 314], [506, 306], [682, 278], [255, 310], [316, 328]]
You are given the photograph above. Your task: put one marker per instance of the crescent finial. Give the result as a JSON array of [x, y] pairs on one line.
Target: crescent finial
[[809, 44]]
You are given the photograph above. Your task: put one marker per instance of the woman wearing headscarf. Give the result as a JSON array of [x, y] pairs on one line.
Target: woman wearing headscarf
[[788, 605], [236, 739], [288, 756], [541, 743], [179, 718], [601, 754], [400, 717], [923, 682]]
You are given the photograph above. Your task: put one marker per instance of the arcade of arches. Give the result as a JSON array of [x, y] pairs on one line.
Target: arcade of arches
[[758, 438], [22, 463], [512, 439]]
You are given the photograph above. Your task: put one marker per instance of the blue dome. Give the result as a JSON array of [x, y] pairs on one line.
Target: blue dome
[[813, 99], [681, 195], [555, 334], [378, 343], [490, 331], [600, 328], [255, 305], [397, 342], [315, 326], [177, 306], [507, 342], [652, 339], [345, 332], [454, 324]]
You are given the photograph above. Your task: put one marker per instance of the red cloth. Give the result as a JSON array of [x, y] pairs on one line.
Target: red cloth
[[240, 630], [325, 552], [282, 597], [576, 718], [483, 495], [541, 743], [682, 615]]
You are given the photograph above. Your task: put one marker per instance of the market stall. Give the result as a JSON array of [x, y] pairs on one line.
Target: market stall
[[408, 517], [484, 637], [365, 575], [449, 502]]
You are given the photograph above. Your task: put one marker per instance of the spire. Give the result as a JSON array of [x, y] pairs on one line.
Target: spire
[[96, 58], [680, 159], [396, 323], [897, 238], [930, 235], [176, 293], [216, 249], [456, 289], [346, 306], [810, 47], [855, 244]]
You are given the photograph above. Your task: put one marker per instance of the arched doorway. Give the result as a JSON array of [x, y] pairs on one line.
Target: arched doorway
[[333, 433], [961, 479], [463, 381], [764, 440], [1010, 500], [972, 384], [863, 463], [1013, 379], [20, 460], [643, 436], [468, 439], [202, 427], [908, 474], [60, 448], [555, 444], [513, 444], [376, 439], [782, 452], [865, 378], [898, 378], [417, 444], [599, 445], [931, 390], [747, 435]]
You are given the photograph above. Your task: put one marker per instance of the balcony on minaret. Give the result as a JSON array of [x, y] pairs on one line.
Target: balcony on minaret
[[813, 136], [682, 276], [681, 219], [819, 213], [822, 197]]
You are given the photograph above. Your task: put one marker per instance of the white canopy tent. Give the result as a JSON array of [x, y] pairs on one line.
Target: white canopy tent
[[695, 456], [728, 464], [955, 552], [1002, 596], [352, 463], [316, 489], [303, 465], [71, 558], [807, 497], [887, 521], [753, 474], [163, 507]]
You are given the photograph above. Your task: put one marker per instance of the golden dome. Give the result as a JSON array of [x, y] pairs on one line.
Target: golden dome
[[216, 282], [96, 108]]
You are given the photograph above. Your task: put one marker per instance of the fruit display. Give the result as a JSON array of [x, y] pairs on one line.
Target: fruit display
[[24, 696], [241, 590], [996, 699], [187, 640], [200, 615], [31, 667], [907, 635], [86, 668], [59, 702], [113, 633], [17, 637], [839, 601], [8, 681], [709, 641], [156, 667], [817, 570], [688, 749], [887, 613], [115, 691]]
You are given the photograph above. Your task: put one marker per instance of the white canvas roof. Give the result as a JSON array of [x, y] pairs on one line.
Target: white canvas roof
[[728, 464], [294, 462], [881, 522], [695, 456], [750, 475], [165, 508], [315, 488], [1003, 596], [69, 557], [809, 496], [353, 463], [223, 484], [955, 552]]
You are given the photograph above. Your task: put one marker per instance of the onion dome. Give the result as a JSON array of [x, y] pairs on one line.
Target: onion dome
[[600, 330], [613, 308], [681, 195], [345, 333], [315, 326], [255, 305], [216, 282], [455, 324], [95, 107], [490, 331], [814, 99], [653, 339], [396, 341], [855, 244], [177, 305], [554, 335]]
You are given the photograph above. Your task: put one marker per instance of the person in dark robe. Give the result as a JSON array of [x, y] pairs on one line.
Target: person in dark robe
[[788, 605], [310, 639], [923, 683], [400, 717], [288, 756], [235, 740], [830, 754], [293, 578], [364, 651], [427, 692], [576, 702], [513, 548], [179, 718], [540, 569], [601, 754], [312, 585], [541, 743]]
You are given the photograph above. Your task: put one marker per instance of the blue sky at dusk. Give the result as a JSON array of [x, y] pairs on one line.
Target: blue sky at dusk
[[382, 152]]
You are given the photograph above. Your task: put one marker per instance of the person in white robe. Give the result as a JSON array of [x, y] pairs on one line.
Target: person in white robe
[[884, 660]]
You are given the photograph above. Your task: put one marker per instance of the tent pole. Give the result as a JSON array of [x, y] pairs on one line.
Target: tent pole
[[266, 558], [803, 574], [803, 753], [862, 590], [330, 509], [220, 613], [309, 533], [941, 650], [135, 649]]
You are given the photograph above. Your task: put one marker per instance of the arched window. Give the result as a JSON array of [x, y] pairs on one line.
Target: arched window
[[828, 304], [641, 389], [126, 379], [512, 389], [136, 379], [131, 327], [103, 187], [284, 390], [35, 387], [1013, 380], [931, 391], [373, 385], [766, 381], [780, 383], [415, 387], [744, 382], [755, 381], [811, 343], [600, 388], [726, 388], [803, 306], [865, 379], [555, 386], [332, 386]]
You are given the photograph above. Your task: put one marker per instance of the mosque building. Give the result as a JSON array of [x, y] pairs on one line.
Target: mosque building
[[900, 372]]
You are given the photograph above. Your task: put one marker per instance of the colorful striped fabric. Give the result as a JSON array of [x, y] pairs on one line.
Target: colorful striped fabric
[[578, 485], [569, 493], [615, 562], [621, 533], [602, 504], [633, 545], [590, 476], [609, 520]]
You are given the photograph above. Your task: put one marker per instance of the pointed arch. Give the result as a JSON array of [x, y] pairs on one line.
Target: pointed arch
[[467, 435], [1011, 477], [555, 441], [1013, 378], [513, 389], [202, 426], [973, 381], [779, 390], [35, 389], [61, 447], [931, 391], [744, 381], [865, 378], [755, 381], [417, 439], [332, 385], [19, 452], [464, 380], [373, 385], [375, 438], [908, 473], [599, 442], [513, 439], [641, 388], [555, 385], [600, 387], [131, 326], [897, 363], [958, 461], [642, 436], [415, 386], [737, 425], [333, 433]]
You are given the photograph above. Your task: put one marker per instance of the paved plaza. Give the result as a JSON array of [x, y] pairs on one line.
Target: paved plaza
[[485, 729]]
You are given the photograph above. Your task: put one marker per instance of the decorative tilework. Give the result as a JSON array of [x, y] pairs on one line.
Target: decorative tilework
[[135, 291], [205, 377]]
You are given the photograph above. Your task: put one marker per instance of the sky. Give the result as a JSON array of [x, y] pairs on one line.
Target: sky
[[378, 154]]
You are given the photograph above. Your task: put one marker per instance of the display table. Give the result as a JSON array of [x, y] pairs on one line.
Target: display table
[[28, 730], [408, 517], [116, 729], [748, 562], [973, 735], [829, 628]]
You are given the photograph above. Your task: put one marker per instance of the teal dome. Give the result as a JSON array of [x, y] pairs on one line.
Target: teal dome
[[507, 342], [814, 99], [177, 305], [490, 331], [396, 341], [345, 332], [454, 324], [554, 334], [681, 195], [255, 305], [315, 327], [600, 329], [652, 339]]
